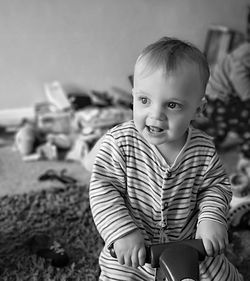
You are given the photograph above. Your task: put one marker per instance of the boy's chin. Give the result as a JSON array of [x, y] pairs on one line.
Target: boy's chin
[[163, 140], [156, 141]]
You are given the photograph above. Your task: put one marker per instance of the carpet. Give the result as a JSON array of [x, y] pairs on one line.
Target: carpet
[[64, 215]]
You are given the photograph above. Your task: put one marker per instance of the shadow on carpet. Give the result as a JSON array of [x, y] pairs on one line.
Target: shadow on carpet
[[64, 215]]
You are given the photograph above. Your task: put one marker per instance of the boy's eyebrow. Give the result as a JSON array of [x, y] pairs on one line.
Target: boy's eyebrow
[[137, 91]]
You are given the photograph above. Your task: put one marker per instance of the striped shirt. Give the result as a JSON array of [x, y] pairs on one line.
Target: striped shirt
[[133, 187]]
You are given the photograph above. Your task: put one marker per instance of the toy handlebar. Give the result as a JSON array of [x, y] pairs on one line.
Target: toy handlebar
[[175, 260]]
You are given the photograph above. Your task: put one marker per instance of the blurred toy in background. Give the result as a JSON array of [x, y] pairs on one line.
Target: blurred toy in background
[[25, 137], [67, 126], [228, 100], [34, 143]]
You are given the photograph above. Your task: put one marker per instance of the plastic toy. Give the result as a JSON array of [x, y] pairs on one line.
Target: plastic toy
[[239, 212], [175, 261]]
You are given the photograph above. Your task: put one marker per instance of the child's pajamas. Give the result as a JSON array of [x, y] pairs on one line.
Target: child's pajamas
[[133, 187], [228, 95]]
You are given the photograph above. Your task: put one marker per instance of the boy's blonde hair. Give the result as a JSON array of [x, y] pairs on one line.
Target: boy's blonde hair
[[169, 53]]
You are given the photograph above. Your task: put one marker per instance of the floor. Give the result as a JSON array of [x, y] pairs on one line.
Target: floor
[[18, 176]]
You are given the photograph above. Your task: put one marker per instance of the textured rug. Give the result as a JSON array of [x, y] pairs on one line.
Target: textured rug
[[61, 213], [64, 215]]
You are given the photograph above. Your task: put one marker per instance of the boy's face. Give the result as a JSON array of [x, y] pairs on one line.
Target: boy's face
[[164, 104]]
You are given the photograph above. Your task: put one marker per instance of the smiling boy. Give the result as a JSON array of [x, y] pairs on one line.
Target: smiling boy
[[156, 178]]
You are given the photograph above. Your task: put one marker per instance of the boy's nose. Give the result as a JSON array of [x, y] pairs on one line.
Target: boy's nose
[[158, 112]]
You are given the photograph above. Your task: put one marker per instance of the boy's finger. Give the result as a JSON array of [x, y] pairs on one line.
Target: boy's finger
[[120, 259], [216, 248], [134, 259], [127, 260], [208, 247], [142, 256]]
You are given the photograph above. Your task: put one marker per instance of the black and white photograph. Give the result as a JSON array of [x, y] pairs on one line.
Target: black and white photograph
[[125, 140]]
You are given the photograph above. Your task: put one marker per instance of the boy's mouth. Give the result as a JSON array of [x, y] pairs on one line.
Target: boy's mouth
[[153, 129]]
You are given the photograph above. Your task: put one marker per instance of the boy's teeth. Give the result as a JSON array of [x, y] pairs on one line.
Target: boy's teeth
[[154, 129]]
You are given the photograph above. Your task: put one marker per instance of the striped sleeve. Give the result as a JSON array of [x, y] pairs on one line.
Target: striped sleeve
[[107, 192], [215, 193]]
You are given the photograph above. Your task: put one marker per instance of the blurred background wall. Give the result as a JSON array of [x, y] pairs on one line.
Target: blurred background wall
[[93, 44]]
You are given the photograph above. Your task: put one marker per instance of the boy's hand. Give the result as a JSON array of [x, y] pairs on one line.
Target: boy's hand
[[214, 236], [130, 249]]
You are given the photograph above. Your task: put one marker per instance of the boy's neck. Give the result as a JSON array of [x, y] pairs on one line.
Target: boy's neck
[[171, 150]]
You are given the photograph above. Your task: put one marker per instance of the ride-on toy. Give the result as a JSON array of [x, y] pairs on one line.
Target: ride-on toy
[[175, 261]]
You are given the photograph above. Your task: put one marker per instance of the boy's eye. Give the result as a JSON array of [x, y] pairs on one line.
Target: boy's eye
[[174, 105], [144, 100]]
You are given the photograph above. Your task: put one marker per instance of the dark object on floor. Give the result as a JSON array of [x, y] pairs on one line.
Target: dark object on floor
[[43, 246], [54, 175]]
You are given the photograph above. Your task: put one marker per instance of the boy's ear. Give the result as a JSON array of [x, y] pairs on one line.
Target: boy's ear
[[201, 107]]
